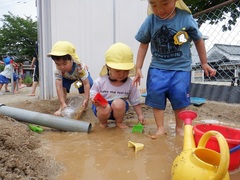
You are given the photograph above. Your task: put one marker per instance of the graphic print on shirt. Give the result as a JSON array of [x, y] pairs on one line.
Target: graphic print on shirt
[[163, 43]]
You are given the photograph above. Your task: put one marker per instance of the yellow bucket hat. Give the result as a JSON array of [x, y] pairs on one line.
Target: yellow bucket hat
[[62, 48], [119, 56], [179, 4]]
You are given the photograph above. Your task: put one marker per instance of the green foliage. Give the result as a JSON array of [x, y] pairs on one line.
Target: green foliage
[[215, 15], [27, 80], [17, 37], [1, 67]]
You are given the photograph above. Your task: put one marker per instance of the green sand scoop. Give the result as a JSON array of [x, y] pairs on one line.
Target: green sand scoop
[[138, 128], [37, 129]]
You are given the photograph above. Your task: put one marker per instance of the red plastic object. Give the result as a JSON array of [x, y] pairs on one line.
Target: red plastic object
[[231, 135], [187, 116], [99, 98]]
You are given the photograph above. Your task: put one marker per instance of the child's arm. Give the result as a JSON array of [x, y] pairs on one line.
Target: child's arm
[[86, 85], [203, 58], [142, 51], [138, 110], [61, 94], [33, 61]]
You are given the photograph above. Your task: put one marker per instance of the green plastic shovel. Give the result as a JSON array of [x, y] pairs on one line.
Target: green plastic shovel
[[138, 128], [37, 129]]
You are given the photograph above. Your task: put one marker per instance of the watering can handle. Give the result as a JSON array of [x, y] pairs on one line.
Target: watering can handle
[[224, 152]]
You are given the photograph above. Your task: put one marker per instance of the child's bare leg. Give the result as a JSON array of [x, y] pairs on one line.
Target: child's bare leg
[[119, 109], [103, 115], [6, 88], [159, 119], [179, 122], [34, 86], [1, 85], [15, 88]]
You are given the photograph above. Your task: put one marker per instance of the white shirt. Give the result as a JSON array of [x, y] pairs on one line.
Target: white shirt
[[127, 91]]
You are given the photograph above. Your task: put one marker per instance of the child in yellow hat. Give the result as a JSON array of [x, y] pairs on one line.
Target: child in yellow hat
[[169, 28], [69, 70], [116, 87]]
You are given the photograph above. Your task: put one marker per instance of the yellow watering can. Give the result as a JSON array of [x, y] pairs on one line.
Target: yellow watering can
[[200, 163]]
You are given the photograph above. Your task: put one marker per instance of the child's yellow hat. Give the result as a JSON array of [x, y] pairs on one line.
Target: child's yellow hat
[[119, 56], [179, 4], [62, 48]]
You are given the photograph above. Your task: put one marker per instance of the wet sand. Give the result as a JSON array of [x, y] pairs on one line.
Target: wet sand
[[104, 154]]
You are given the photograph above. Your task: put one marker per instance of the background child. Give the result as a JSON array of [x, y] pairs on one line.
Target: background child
[[5, 75], [169, 30], [20, 75], [116, 87], [35, 66], [69, 70]]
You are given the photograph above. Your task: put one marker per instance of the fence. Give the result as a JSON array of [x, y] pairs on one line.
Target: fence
[[223, 53]]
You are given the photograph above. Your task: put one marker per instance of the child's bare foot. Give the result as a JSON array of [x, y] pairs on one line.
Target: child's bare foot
[[179, 131], [16, 92], [121, 125], [160, 132], [103, 125], [31, 94], [22, 86]]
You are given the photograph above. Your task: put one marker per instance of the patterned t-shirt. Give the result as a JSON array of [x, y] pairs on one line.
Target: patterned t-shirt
[[79, 72]]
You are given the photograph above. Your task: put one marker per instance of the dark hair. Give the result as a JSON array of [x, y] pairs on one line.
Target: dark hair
[[65, 57]]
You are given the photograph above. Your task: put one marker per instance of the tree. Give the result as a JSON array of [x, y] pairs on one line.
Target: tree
[[214, 17], [18, 37]]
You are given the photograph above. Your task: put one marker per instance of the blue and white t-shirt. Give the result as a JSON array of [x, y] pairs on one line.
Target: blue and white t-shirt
[[160, 33], [79, 71]]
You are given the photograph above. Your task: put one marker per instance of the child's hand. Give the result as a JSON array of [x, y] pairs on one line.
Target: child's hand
[[208, 70], [85, 103], [95, 102], [141, 119], [137, 78], [99, 100]]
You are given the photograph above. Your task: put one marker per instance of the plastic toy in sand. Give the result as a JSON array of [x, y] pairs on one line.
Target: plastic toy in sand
[[137, 146], [74, 108], [35, 128], [101, 100], [138, 128]]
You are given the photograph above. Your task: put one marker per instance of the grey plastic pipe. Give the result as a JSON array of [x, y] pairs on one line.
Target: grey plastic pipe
[[46, 120]]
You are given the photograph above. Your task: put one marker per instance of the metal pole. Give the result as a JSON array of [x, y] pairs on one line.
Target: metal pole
[[114, 21], [12, 80]]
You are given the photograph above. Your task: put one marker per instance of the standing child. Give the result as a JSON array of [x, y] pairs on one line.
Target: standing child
[[69, 70], [20, 75], [35, 66], [5, 75], [169, 28], [116, 87]]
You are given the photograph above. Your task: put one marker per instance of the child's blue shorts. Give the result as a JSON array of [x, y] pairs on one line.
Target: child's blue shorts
[[5, 80], [94, 109], [166, 84], [67, 84]]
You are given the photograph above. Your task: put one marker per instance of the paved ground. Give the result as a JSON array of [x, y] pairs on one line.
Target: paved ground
[[9, 97]]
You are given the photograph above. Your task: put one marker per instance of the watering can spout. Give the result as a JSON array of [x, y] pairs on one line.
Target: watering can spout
[[188, 116]]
